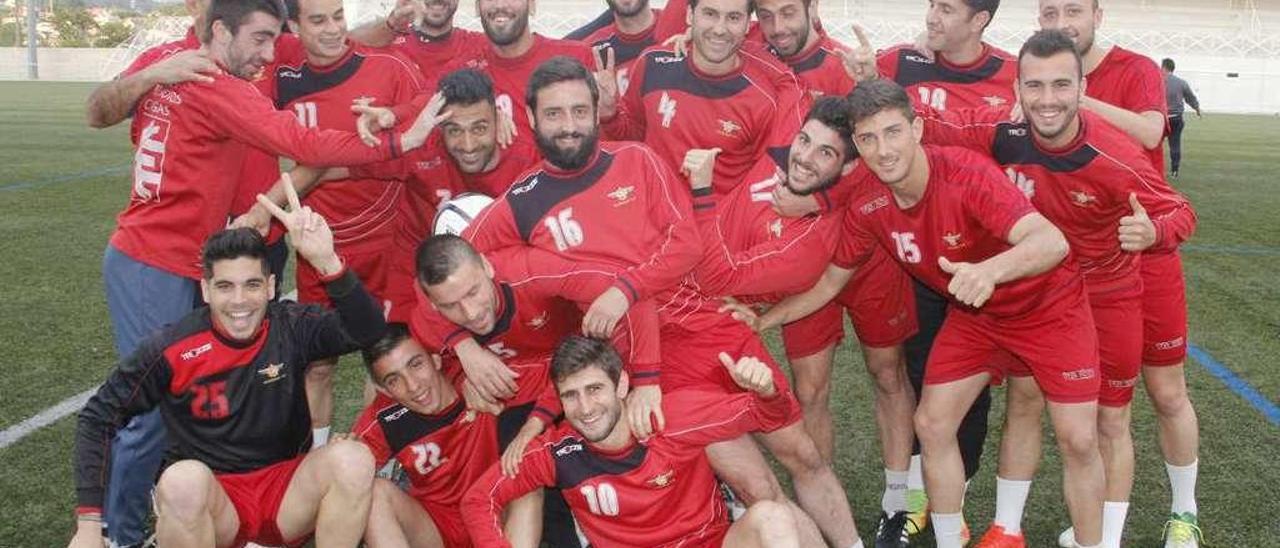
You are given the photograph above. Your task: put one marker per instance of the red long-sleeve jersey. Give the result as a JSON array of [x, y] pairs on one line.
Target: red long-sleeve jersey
[[260, 170], [603, 32], [1133, 82], [965, 215], [187, 136], [363, 212], [625, 209], [753, 253], [429, 54], [988, 81], [656, 492], [1082, 188], [672, 106], [435, 176], [540, 296], [820, 68], [442, 454]]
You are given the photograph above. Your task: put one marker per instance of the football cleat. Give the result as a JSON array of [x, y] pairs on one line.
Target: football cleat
[[917, 511], [997, 538], [891, 532], [1183, 531]]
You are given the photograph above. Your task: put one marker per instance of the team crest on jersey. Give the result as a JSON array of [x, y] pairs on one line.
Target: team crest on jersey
[[953, 240], [729, 128], [775, 228], [662, 480], [622, 195], [1080, 198], [995, 100], [540, 320], [272, 372]]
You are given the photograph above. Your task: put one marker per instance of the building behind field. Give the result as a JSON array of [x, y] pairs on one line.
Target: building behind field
[[1228, 50]]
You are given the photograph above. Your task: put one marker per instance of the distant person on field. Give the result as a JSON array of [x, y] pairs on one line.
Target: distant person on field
[[1176, 91]]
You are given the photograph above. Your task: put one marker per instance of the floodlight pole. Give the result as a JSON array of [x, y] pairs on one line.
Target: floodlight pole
[[33, 19]]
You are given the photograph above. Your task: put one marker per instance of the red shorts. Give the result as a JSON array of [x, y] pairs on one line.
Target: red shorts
[[1119, 327], [256, 497], [1059, 345], [880, 304], [448, 521], [1164, 310], [383, 274], [691, 359]]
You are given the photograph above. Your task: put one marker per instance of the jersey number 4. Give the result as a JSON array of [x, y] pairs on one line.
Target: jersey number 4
[[564, 230], [602, 499]]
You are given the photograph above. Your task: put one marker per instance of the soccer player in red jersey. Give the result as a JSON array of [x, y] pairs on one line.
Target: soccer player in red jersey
[[721, 96], [365, 214], [1091, 180], [191, 141], [1126, 88], [628, 27], [627, 490], [749, 242], [433, 41], [229, 380], [420, 419], [953, 221], [464, 156], [956, 68], [789, 29], [574, 203]]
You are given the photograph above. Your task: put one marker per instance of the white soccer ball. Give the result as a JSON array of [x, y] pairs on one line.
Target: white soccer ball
[[454, 215]]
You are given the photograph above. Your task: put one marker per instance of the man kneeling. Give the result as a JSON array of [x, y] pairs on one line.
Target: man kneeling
[[229, 382], [627, 492]]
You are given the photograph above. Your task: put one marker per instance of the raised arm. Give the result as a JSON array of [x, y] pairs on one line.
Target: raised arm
[[113, 102]]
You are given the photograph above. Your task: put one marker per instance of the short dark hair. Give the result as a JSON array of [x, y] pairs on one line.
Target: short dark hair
[[559, 69], [578, 352], [1167, 63], [466, 87], [233, 13], [833, 112], [233, 243], [440, 256], [871, 98], [979, 6], [751, 5], [396, 333], [1044, 44]]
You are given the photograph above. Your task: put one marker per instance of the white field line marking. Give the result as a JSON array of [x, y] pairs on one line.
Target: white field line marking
[[49, 416]]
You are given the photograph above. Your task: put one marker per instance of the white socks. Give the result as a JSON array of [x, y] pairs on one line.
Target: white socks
[[947, 529], [319, 437], [1113, 516], [1011, 501], [857, 544], [1182, 485], [895, 492], [915, 474]]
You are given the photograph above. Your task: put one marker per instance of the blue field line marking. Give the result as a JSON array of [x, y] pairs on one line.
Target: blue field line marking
[[1237, 384], [68, 178], [1232, 250]]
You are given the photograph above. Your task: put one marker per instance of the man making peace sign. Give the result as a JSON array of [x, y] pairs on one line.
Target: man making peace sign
[[228, 380]]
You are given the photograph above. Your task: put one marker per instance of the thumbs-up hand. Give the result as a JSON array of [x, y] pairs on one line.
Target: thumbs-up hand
[[699, 165], [751, 374], [1137, 232], [971, 283]]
